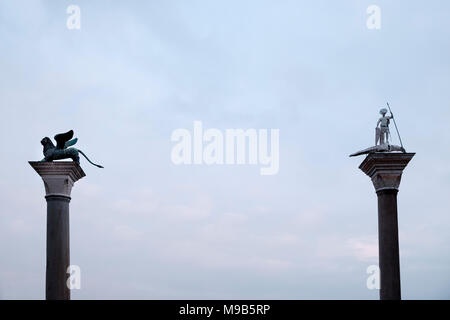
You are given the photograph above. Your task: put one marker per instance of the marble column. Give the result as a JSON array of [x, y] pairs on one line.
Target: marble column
[[385, 170], [59, 178]]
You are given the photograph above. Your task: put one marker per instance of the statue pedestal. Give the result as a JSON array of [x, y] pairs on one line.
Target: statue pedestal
[[59, 178], [385, 170]]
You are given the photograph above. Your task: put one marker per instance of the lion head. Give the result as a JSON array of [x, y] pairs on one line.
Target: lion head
[[46, 142]]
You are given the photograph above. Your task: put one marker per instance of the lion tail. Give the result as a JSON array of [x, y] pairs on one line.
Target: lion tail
[[97, 165]]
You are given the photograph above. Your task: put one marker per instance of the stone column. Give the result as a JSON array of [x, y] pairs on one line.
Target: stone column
[[59, 178], [385, 170]]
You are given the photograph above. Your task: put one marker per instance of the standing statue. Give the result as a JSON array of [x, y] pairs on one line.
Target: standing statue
[[382, 130], [62, 150], [382, 135]]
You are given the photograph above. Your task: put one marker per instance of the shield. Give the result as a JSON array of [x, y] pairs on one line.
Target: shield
[[377, 135]]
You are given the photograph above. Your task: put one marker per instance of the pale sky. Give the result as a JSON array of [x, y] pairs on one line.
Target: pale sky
[[144, 228]]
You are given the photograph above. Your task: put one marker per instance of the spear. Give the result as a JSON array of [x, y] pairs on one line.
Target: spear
[[395, 124]]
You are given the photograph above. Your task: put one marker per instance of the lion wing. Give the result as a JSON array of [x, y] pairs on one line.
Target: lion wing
[[63, 138], [70, 143]]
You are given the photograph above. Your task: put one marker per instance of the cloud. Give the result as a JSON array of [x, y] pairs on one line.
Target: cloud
[[364, 249], [127, 233], [20, 227]]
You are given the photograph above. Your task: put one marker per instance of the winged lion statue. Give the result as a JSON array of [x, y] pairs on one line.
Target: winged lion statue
[[62, 150]]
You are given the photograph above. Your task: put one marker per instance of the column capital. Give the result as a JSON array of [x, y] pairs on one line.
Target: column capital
[[385, 168], [59, 177]]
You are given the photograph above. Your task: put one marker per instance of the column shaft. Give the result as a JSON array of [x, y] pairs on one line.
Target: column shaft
[[58, 248], [388, 245]]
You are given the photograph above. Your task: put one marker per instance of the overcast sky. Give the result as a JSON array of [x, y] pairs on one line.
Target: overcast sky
[[145, 228]]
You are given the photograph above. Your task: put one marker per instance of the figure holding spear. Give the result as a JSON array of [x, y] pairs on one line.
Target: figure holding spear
[[382, 128], [382, 134]]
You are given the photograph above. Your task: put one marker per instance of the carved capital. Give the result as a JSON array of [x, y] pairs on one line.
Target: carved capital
[[385, 168], [58, 177]]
